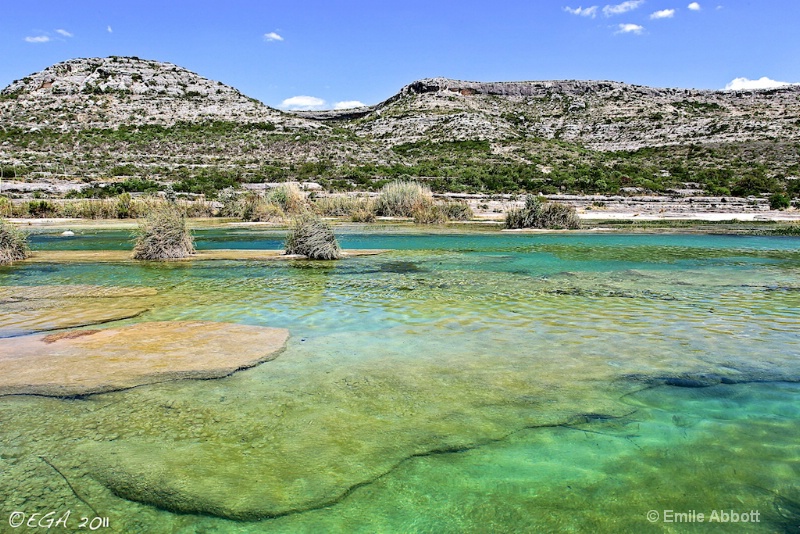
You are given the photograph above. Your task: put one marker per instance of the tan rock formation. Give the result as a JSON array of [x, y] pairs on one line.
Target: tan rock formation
[[120, 358]]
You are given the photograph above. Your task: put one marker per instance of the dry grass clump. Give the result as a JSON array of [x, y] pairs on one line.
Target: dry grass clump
[[162, 235], [458, 211], [13, 244], [358, 208], [433, 214], [6, 209], [123, 206], [402, 199], [37, 209], [442, 213], [253, 207], [289, 197], [541, 214], [312, 237], [265, 211], [336, 206], [363, 215], [342, 205]]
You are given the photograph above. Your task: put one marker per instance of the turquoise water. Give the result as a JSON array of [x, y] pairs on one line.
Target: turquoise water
[[480, 382]]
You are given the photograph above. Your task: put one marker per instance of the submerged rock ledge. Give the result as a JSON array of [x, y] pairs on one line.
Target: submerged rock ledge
[[114, 256], [94, 361], [34, 309]]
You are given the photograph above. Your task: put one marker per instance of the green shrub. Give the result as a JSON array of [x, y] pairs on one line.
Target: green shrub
[[458, 211], [313, 238], [402, 199], [13, 243], [541, 214], [265, 211], [5, 207], [779, 201], [789, 229], [163, 235], [124, 206], [195, 208], [754, 184], [37, 208], [358, 208], [92, 209], [208, 182], [433, 214], [289, 197], [336, 206], [363, 215], [252, 207]]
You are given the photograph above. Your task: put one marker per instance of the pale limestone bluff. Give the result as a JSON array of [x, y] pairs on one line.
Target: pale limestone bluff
[[94, 361], [601, 115], [113, 91]]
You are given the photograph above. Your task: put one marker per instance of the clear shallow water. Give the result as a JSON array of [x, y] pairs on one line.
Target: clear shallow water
[[482, 382]]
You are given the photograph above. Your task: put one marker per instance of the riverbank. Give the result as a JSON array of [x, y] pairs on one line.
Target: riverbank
[[493, 208]]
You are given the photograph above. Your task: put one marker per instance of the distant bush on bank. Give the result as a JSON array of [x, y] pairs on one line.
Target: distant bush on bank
[[13, 243], [162, 235], [540, 214], [124, 206], [251, 206], [458, 211], [789, 229], [397, 198], [363, 215], [403, 199], [289, 197], [432, 214], [779, 201], [312, 237], [342, 205]]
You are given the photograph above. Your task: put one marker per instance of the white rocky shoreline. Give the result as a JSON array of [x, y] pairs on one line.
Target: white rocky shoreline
[[679, 205]]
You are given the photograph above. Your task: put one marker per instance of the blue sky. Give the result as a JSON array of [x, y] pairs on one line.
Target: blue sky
[[365, 51]]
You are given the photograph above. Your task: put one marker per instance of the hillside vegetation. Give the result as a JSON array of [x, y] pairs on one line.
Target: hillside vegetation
[[113, 125]]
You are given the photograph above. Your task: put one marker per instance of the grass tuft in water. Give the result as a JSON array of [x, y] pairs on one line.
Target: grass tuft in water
[[13, 243], [540, 214], [162, 235], [312, 237]]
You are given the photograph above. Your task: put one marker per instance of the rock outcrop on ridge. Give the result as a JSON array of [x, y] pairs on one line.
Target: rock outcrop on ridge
[[108, 92]]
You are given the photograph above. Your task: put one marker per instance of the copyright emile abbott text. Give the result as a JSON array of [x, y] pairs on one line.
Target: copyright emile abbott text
[[693, 516]]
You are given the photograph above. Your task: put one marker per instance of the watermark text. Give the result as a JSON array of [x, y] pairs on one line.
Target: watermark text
[[714, 516]]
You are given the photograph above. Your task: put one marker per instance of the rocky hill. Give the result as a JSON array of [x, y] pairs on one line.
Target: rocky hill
[[113, 91], [88, 121], [605, 116]]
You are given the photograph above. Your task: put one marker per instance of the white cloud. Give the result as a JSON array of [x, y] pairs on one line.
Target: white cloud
[[663, 14], [272, 36], [63, 33], [630, 28], [109, 30], [582, 11], [349, 104], [303, 103], [37, 39], [624, 7], [739, 84], [694, 6]]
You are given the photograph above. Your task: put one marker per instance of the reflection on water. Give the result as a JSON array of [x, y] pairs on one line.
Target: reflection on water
[[483, 382]]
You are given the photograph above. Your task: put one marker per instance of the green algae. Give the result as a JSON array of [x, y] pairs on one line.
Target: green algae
[[495, 389]]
